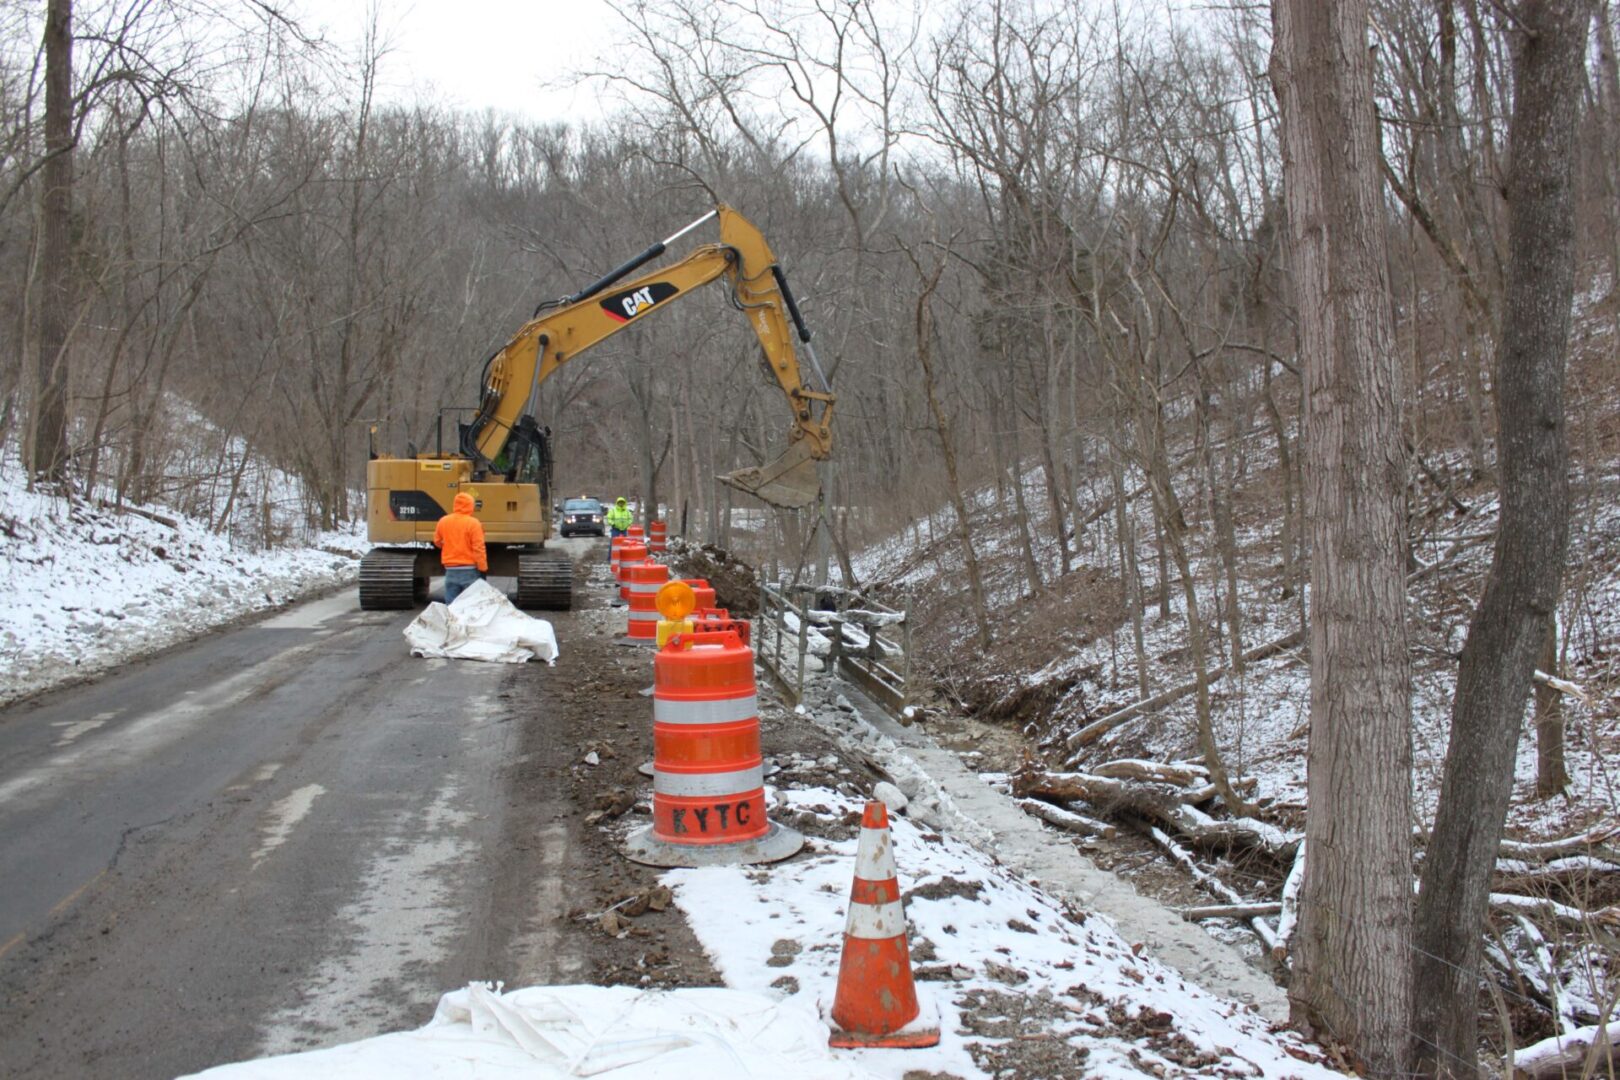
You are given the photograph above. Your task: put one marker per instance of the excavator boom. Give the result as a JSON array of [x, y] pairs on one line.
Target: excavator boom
[[759, 289], [504, 457]]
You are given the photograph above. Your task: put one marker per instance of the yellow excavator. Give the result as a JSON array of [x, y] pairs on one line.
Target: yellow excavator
[[504, 457]]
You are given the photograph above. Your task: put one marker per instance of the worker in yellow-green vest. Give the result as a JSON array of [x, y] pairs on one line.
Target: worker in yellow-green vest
[[619, 518]]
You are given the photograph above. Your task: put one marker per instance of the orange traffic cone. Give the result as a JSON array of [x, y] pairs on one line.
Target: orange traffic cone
[[876, 1002]]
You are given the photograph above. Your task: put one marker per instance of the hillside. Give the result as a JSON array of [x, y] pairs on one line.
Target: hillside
[[1060, 688], [95, 585]]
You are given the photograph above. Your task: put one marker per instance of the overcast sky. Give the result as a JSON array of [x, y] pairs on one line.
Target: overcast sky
[[510, 55]]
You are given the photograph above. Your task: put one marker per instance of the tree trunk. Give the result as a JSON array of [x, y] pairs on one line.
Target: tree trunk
[[925, 359], [50, 450], [1352, 976], [1220, 515], [1285, 467], [1054, 491], [1130, 570], [1164, 562], [1608, 95], [1551, 775], [1175, 537], [1510, 626], [1026, 545]]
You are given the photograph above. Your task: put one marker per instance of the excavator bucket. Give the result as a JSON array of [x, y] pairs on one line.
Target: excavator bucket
[[790, 481]]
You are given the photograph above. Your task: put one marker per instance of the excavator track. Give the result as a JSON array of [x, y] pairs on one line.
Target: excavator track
[[388, 581], [545, 582]]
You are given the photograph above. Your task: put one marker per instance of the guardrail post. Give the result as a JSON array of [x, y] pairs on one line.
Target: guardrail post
[[804, 640], [781, 625], [905, 661]]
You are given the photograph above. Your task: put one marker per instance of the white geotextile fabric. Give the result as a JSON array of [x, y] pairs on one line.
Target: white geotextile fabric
[[553, 1032], [481, 625]]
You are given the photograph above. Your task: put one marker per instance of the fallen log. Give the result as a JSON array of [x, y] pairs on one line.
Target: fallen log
[[1098, 728], [1166, 804], [1231, 911], [1569, 845], [161, 519], [1594, 844], [1137, 769], [1570, 1054], [1067, 819], [1151, 799], [1217, 887], [1234, 832], [1288, 921], [1539, 879], [1203, 794], [1564, 914]]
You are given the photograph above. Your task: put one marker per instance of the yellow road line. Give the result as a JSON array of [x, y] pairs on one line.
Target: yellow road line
[[63, 903], [61, 906]]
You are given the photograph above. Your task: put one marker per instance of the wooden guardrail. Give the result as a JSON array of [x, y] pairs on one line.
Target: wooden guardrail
[[866, 642]]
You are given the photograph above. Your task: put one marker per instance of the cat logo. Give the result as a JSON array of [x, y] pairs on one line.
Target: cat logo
[[635, 302], [623, 306]]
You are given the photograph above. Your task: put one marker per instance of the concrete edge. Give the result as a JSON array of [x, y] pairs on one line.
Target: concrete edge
[[998, 828]]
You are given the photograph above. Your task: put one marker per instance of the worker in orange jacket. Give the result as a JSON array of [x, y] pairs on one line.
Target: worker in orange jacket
[[460, 539]]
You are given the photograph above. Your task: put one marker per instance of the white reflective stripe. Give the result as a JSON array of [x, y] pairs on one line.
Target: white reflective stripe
[[741, 782], [644, 616], [876, 922], [645, 587], [723, 711], [874, 858]]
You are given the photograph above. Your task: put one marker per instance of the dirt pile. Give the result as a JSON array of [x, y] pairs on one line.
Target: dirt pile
[[736, 584]]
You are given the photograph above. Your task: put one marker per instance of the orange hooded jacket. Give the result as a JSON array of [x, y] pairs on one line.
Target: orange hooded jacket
[[460, 537]]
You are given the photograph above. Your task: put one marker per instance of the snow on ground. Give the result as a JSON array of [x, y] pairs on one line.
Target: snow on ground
[[1006, 966], [1020, 985], [90, 587]]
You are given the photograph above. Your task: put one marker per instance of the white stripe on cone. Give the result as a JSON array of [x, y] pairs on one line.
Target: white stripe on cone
[[876, 922], [874, 858]]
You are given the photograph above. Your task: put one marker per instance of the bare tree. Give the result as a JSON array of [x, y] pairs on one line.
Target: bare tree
[[926, 331], [1510, 627], [1352, 974], [50, 442]]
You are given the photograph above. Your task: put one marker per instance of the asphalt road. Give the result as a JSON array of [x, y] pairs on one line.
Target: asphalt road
[[285, 835]]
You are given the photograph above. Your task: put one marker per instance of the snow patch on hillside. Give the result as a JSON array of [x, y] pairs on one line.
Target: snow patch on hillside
[[91, 587]]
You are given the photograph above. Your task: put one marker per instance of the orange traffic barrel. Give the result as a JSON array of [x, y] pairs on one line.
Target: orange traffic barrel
[[708, 776], [703, 592], [647, 577], [631, 552], [658, 537], [616, 553], [641, 584], [876, 1001], [636, 532]]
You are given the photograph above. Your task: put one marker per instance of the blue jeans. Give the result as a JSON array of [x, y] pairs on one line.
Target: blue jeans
[[612, 532], [457, 578]]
